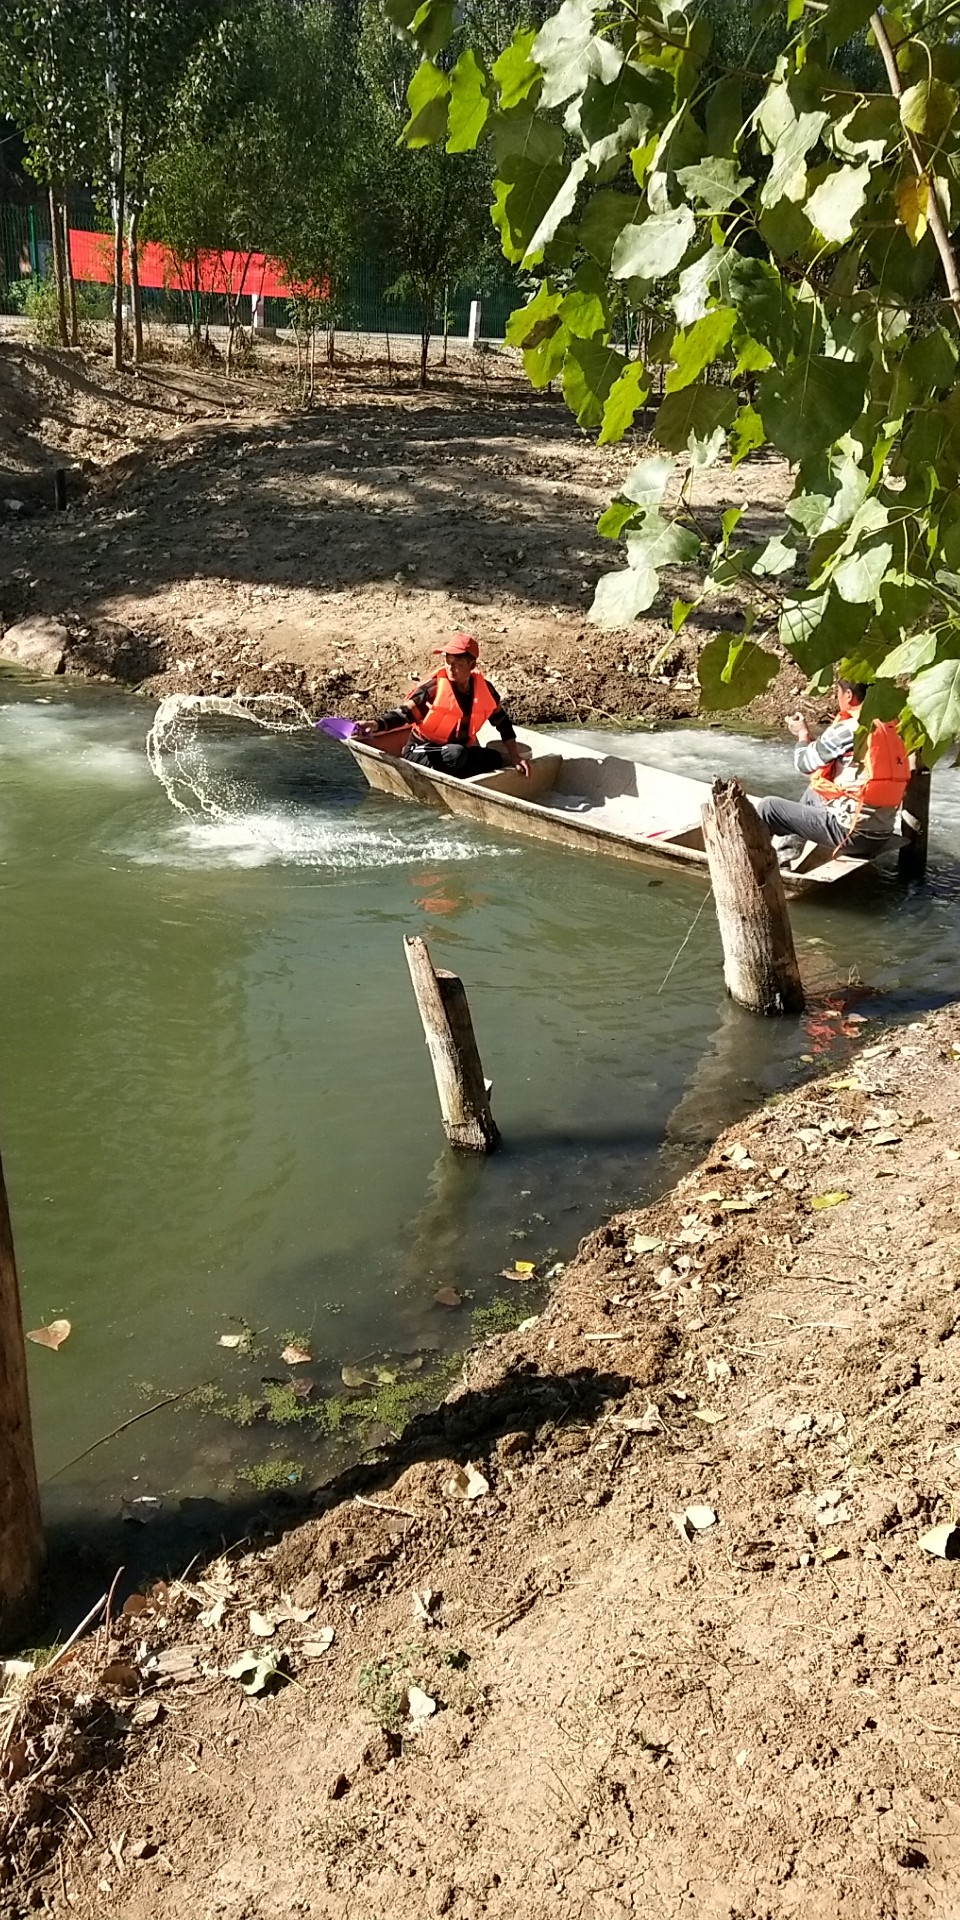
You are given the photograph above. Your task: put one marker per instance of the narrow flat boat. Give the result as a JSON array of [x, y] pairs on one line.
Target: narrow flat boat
[[577, 797]]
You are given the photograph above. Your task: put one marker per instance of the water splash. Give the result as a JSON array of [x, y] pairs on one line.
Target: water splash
[[179, 754]]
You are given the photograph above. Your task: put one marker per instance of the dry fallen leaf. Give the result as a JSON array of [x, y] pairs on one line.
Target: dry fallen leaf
[[424, 1605], [709, 1416], [468, 1484], [358, 1377], [295, 1355], [700, 1518], [647, 1243], [944, 1541], [828, 1199], [320, 1644], [261, 1626], [231, 1340], [120, 1677], [255, 1671], [212, 1616], [447, 1297], [420, 1705], [52, 1336]]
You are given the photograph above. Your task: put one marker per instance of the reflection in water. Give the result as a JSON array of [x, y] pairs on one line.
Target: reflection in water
[[217, 1105]]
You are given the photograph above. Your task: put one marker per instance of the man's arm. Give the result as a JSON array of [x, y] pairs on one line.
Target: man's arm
[[834, 743]]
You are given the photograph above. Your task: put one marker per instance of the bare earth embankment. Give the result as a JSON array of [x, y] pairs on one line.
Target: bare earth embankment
[[687, 1654], [220, 538]]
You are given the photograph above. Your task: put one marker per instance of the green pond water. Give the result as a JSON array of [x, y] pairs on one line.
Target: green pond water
[[216, 1108]]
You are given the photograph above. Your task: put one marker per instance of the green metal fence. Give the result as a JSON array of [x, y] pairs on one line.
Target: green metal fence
[[370, 304]]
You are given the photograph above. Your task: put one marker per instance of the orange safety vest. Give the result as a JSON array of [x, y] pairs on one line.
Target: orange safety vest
[[444, 716], [883, 779]]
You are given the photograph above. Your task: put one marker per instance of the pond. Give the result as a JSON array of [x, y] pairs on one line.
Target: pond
[[216, 1109]]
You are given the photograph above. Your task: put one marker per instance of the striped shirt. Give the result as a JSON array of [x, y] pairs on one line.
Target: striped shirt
[[834, 748]]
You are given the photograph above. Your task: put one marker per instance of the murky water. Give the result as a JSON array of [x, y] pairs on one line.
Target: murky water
[[215, 1103]]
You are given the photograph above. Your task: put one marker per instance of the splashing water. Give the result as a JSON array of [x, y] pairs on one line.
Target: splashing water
[[184, 766]]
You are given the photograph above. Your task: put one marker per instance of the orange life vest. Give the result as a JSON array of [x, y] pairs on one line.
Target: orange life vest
[[882, 781], [444, 716]]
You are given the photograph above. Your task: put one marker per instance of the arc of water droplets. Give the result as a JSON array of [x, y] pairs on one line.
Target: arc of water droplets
[[176, 755]]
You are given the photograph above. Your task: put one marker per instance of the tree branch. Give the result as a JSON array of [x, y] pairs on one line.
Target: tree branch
[[935, 214]]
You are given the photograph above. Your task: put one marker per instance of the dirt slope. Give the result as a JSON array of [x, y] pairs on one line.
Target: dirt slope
[[220, 538], [637, 1714]]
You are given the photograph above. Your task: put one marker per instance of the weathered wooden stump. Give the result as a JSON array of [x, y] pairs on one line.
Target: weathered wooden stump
[[451, 1042], [759, 958], [21, 1533]]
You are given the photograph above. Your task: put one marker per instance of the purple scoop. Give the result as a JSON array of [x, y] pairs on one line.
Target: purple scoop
[[337, 729]]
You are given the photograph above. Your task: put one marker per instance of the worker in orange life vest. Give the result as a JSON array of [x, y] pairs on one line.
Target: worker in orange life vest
[[446, 713], [845, 805]]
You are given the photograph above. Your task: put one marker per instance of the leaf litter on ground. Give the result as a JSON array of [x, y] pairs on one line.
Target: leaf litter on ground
[[52, 1336]]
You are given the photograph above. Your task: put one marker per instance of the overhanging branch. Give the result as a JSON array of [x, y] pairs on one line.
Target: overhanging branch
[[935, 214]]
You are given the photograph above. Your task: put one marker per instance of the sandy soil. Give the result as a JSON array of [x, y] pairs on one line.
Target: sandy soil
[[688, 1654], [219, 537]]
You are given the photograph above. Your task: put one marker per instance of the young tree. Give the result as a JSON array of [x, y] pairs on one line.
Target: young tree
[[794, 204]]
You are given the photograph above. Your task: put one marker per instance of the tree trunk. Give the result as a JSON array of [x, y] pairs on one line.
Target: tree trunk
[[424, 350], [445, 1013], [331, 346], [135, 300], [915, 822], [71, 282], [759, 960], [56, 237], [120, 222], [21, 1533]]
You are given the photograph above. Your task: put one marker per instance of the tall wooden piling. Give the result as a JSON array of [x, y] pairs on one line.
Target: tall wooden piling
[[759, 958], [21, 1533], [451, 1042], [915, 822]]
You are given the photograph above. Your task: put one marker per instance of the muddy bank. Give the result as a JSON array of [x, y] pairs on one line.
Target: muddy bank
[[218, 538], [640, 1621]]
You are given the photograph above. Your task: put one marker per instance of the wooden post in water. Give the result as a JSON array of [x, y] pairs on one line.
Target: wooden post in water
[[759, 959], [464, 1094], [915, 822], [21, 1533]]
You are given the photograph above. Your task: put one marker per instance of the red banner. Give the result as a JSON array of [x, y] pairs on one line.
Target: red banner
[[91, 256]]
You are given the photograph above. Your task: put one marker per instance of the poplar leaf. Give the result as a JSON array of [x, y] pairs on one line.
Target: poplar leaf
[[928, 108], [694, 285], [648, 481], [680, 613], [628, 393], [469, 108], [911, 655], [515, 71], [699, 347], [653, 249], [714, 183], [523, 194], [698, 409], [529, 325], [935, 699], [823, 1200], [732, 671], [427, 97], [589, 372], [617, 516], [913, 199], [812, 404], [833, 206], [560, 206], [620, 596], [559, 49], [860, 577], [661, 543], [52, 1336], [787, 178]]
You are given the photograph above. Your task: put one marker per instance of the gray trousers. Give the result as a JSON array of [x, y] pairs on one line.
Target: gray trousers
[[810, 818]]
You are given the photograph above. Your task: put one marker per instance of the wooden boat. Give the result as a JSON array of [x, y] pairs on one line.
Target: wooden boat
[[577, 797]]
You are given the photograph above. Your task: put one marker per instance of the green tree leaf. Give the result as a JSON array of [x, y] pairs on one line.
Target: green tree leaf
[[757, 291], [935, 699], [620, 596], [860, 576], [559, 50], [647, 482], [560, 207], [584, 309], [928, 108], [523, 195], [746, 435], [470, 102], [692, 298], [699, 347], [432, 25], [515, 71], [698, 410], [661, 543], [732, 671], [811, 405], [911, 655], [617, 516], [590, 369], [604, 220], [652, 250], [834, 205], [528, 325], [428, 98], [714, 183], [787, 179], [627, 394]]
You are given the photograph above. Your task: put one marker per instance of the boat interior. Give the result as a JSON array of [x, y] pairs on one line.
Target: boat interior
[[617, 795]]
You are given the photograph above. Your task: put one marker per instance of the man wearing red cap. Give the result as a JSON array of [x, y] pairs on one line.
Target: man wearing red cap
[[446, 714]]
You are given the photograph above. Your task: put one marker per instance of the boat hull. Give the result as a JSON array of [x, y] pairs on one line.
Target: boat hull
[[550, 806]]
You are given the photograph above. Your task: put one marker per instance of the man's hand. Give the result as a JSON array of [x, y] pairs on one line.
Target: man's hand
[[366, 729], [517, 759], [796, 724]]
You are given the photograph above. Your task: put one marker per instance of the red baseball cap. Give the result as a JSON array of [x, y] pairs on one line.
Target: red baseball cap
[[461, 643]]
